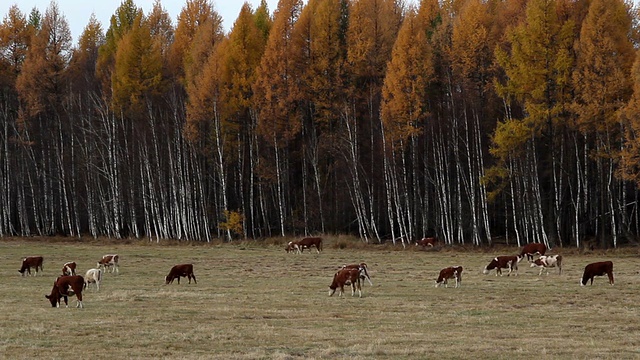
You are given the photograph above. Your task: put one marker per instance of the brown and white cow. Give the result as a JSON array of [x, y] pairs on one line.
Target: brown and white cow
[[548, 261], [31, 262], [448, 273], [597, 269], [69, 268], [533, 248], [93, 276], [182, 270], [346, 277], [503, 262], [427, 242], [364, 273], [307, 243], [109, 261], [66, 286]]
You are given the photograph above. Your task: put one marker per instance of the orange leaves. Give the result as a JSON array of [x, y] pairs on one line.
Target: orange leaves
[[410, 71]]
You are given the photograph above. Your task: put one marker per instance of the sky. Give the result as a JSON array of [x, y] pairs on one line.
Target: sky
[[77, 12]]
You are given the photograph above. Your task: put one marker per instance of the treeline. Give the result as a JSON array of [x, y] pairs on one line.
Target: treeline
[[466, 119]]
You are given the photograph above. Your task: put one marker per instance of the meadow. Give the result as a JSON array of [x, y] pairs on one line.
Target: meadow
[[255, 301]]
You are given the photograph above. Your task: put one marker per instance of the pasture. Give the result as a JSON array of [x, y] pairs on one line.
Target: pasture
[[255, 301]]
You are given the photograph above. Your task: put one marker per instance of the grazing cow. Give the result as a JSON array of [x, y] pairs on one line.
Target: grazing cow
[[306, 243], [93, 276], [109, 261], [533, 248], [364, 273], [66, 286], [346, 277], [69, 268], [428, 241], [182, 270], [503, 262], [448, 273], [31, 262], [546, 262], [597, 269]]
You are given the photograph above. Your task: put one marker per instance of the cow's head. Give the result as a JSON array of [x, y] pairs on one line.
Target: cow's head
[[54, 297], [492, 265]]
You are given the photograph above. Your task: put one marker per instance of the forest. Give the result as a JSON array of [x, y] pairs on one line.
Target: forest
[[477, 121]]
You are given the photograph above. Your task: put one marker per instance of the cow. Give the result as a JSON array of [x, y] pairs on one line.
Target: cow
[[182, 270], [69, 268], [346, 277], [31, 262], [503, 262], [548, 261], [533, 248], [448, 273], [93, 276], [364, 273], [306, 243], [109, 261], [65, 286], [597, 269], [427, 241]]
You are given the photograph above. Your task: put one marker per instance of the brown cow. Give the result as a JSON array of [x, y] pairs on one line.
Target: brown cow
[[503, 262], [109, 261], [364, 273], [69, 268], [533, 248], [448, 273], [31, 262], [346, 277], [66, 286], [427, 241], [306, 243], [597, 269], [182, 270], [546, 262]]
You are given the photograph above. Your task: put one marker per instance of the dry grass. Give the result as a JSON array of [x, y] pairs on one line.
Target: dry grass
[[254, 301]]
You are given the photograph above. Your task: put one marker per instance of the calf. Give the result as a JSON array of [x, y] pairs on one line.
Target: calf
[[93, 276], [182, 270], [69, 268], [448, 273], [428, 241], [66, 286], [109, 261], [503, 262], [346, 277], [546, 262], [533, 248], [364, 273], [306, 243], [597, 269], [31, 262]]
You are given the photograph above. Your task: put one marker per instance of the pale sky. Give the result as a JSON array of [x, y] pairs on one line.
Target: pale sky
[[77, 12]]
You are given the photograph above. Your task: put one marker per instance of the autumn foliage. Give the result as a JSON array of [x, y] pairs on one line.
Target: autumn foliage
[[471, 120]]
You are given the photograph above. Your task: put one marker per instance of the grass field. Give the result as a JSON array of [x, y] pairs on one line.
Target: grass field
[[254, 301]]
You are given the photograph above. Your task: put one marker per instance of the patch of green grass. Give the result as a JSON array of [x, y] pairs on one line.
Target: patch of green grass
[[255, 301]]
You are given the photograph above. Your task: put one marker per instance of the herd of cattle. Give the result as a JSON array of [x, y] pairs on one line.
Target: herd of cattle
[[70, 284], [355, 274]]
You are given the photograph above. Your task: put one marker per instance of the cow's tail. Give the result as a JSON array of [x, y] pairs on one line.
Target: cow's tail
[[320, 244]]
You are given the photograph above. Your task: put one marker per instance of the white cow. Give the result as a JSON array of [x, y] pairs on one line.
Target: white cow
[[546, 262], [93, 276]]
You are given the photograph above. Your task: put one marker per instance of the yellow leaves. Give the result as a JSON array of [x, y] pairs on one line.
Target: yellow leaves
[[509, 138], [138, 70], [234, 222]]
